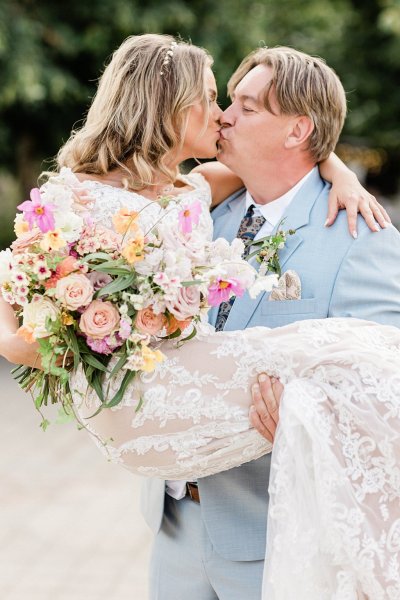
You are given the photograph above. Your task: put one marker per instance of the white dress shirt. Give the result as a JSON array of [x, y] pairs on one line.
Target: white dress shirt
[[272, 213]]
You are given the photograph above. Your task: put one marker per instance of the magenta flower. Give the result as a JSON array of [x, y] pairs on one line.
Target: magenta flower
[[222, 289], [99, 346], [36, 213], [190, 216]]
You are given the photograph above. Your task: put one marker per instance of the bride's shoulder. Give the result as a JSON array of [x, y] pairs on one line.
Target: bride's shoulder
[[200, 185]]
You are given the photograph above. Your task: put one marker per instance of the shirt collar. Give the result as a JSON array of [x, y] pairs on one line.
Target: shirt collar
[[273, 211]]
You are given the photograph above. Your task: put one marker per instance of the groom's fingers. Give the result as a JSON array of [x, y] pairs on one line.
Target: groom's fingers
[[264, 414], [258, 424]]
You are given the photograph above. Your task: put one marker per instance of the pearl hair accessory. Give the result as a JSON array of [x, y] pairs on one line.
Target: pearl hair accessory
[[168, 56]]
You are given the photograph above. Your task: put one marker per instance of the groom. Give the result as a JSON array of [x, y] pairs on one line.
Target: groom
[[286, 115]]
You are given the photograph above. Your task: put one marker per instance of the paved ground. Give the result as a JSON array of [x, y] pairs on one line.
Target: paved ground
[[70, 527]]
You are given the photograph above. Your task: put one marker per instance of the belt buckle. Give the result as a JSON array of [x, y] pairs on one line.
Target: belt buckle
[[192, 490]]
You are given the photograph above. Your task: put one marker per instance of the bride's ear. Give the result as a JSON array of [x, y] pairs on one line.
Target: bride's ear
[[300, 131]]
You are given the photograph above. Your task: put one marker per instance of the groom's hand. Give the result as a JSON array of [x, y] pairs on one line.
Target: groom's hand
[[264, 413]]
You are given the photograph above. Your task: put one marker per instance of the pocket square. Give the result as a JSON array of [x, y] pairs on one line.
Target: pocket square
[[288, 287]]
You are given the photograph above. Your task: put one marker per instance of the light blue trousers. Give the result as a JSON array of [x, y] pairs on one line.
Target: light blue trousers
[[184, 565]]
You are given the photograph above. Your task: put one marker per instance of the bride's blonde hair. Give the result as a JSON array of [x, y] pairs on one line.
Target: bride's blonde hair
[[139, 114]]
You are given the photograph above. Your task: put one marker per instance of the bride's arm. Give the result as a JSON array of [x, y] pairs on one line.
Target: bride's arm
[[346, 193], [13, 347]]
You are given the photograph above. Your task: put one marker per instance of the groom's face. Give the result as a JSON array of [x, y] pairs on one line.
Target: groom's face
[[250, 133]]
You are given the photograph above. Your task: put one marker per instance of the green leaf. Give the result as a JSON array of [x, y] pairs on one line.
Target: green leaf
[[96, 385], [73, 345], [176, 334], [128, 377], [118, 285], [111, 270], [89, 359], [140, 404], [191, 283], [190, 336], [44, 424], [96, 256], [119, 365]]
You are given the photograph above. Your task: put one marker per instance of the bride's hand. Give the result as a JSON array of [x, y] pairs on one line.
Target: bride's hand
[[348, 193], [264, 413], [19, 352]]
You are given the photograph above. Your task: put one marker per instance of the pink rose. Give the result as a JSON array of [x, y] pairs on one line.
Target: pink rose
[[186, 304], [99, 319], [26, 241], [148, 322], [74, 291]]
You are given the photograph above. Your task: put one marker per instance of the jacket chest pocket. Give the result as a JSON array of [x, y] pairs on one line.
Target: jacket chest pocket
[[306, 308]]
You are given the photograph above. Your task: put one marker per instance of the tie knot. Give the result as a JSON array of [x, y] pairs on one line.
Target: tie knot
[[249, 212]]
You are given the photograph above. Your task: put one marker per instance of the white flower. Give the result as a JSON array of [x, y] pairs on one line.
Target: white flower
[[41, 269], [52, 192], [192, 246], [220, 250], [151, 262], [177, 264], [71, 225], [6, 263], [19, 278], [263, 284], [35, 314]]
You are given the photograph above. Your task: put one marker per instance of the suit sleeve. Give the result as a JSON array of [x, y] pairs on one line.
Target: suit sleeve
[[367, 285]]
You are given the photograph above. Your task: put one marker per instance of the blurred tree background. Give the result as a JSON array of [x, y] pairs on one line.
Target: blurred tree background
[[52, 53]]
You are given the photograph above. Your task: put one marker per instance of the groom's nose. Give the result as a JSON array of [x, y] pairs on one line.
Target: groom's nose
[[227, 117]]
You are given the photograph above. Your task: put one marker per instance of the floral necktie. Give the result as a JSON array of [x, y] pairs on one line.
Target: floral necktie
[[249, 226]]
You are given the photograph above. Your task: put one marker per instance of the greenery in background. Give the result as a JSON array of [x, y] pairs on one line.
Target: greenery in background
[[51, 55]]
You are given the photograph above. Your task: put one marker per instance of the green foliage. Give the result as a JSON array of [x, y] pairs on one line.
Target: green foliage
[[51, 55]]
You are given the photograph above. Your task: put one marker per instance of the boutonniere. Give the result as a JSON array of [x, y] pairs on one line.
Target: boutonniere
[[267, 250]]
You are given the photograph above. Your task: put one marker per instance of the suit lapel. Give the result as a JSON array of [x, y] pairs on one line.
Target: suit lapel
[[228, 215], [296, 216]]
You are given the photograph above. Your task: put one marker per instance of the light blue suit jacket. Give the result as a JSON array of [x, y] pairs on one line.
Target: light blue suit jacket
[[340, 277]]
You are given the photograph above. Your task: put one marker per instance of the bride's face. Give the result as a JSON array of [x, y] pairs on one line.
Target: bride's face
[[202, 134]]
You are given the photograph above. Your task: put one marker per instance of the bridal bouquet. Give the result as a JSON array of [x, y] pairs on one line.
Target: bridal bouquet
[[85, 292]]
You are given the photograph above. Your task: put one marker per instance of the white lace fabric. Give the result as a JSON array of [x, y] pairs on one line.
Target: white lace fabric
[[334, 517]]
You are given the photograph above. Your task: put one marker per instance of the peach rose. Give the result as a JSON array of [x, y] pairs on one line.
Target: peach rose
[[26, 241], [99, 319], [74, 291], [148, 322], [187, 303]]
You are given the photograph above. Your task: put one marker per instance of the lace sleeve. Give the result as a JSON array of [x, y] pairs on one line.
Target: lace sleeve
[[193, 418]]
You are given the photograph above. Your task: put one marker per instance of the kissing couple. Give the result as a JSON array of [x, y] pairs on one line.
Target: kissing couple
[[319, 517]]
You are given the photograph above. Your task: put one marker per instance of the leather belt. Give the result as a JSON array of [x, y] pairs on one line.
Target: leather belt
[[192, 490]]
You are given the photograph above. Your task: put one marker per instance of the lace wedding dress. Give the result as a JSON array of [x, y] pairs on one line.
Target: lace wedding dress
[[334, 516]]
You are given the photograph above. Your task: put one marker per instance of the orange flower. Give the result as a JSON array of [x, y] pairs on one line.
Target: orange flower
[[174, 324], [66, 319], [67, 266], [133, 251], [125, 220], [26, 333]]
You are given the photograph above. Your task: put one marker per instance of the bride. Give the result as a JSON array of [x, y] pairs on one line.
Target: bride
[[334, 521]]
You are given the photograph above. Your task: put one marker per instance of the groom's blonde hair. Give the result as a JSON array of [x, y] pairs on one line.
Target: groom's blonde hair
[[303, 85], [139, 114]]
